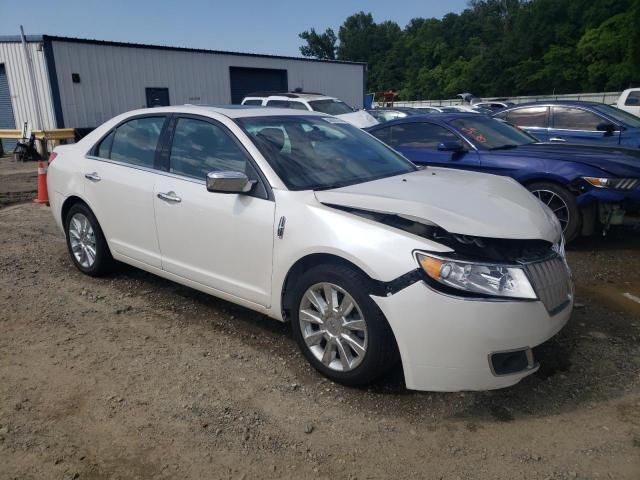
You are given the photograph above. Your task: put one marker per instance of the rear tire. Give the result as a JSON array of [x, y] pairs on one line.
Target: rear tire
[[562, 203], [86, 243], [361, 344]]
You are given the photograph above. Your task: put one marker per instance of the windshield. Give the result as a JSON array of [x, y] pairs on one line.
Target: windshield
[[313, 153], [627, 119], [330, 106], [491, 134]]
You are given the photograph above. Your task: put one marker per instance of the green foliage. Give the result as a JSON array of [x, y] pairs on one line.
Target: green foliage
[[495, 48], [319, 45]]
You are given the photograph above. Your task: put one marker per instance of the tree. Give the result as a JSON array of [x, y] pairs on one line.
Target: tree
[[321, 45], [496, 48]]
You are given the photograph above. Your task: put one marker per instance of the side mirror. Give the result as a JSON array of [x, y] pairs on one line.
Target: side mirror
[[451, 147], [607, 128], [229, 182]]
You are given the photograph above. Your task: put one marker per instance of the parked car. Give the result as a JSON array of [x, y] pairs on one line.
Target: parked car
[[454, 108], [307, 219], [494, 105], [315, 102], [466, 109], [387, 114], [629, 101], [583, 185], [576, 122]]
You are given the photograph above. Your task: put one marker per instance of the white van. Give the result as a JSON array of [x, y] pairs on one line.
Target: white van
[[315, 102]]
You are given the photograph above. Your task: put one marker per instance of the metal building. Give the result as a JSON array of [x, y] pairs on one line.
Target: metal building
[[81, 83]]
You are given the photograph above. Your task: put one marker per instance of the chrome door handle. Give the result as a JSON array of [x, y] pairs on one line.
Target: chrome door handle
[[94, 177], [557, 139], [170, 197]]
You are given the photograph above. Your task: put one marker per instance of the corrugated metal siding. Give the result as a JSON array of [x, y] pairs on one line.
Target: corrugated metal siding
[[113, 78], [23, 103], [6, 110]]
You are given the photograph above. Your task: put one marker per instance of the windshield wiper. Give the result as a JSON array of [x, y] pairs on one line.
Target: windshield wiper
[[330, 186], [508, 146]]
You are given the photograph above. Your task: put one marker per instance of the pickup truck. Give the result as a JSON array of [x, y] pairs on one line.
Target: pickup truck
[[629, 101]]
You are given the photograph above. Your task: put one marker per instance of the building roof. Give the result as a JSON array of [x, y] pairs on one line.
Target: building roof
[[55, 38]]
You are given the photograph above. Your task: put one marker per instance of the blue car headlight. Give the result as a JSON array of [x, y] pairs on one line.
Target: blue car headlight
[[613, 183]]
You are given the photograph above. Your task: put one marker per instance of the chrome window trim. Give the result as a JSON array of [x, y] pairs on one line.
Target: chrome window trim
[[583, 131], [145, 169]]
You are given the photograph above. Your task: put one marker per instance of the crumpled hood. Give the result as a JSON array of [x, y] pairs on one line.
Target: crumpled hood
[[619, 161], [360, 119], [461, 202]]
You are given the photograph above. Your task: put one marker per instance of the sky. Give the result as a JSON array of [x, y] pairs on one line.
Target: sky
[[253, 26]]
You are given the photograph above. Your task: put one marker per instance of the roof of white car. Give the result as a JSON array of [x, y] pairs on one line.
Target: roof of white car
[[291, 96], [231, 111]]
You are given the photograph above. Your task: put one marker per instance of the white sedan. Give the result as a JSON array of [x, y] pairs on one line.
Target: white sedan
[[307, 219]]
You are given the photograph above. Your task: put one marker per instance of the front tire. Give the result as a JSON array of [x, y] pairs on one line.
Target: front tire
[[339, 328], [86, 243], [562, 203]]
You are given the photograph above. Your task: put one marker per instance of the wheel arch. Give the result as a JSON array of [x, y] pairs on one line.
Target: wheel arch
[[69, 202], [559, 181], [305, 263]]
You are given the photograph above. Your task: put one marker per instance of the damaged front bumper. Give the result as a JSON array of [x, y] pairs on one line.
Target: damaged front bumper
[[449, 343]]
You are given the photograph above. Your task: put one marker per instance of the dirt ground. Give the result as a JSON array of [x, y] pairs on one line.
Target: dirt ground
[[134, 377]]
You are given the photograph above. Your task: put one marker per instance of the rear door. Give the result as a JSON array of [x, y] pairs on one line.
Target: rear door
[[119, 178], [221, 240], [577, 125], [419, 141]]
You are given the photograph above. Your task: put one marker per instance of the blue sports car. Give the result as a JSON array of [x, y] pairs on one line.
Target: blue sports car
[[585, 186], [575, 122]]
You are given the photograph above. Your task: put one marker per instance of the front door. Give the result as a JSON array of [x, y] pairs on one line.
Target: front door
[[575, 125], [420, 141], [222, 241], [119, 176]]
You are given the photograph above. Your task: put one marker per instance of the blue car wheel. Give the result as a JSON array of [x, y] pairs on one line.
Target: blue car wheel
[[562, 203]]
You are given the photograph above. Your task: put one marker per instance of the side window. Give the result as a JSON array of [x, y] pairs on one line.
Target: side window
[[383, 134], [135, 142], [201, 147], [298, 106], [569, 118], [420, 135], [104, 149], [535, 117], [278, 103], [252, 102], [633, 99]]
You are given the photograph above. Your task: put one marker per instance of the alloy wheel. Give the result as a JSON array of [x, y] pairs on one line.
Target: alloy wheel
[[333, 327], [557, 205], [83, 240]]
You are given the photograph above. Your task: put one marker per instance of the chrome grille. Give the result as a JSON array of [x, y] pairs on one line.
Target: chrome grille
[[551, 281]]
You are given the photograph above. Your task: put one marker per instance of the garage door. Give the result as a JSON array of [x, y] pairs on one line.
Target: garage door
[[6, 110], [249, 80]]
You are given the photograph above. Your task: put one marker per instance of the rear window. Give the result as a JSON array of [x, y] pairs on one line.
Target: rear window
[[330, 106], [535, 117], [252, 102], [134, 142], [633, 99]]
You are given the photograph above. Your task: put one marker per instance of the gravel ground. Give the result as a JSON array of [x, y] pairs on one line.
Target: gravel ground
[[135, 377], [18, 181]]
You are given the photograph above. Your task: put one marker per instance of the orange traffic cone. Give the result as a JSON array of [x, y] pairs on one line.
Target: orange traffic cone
[[43, 195]]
